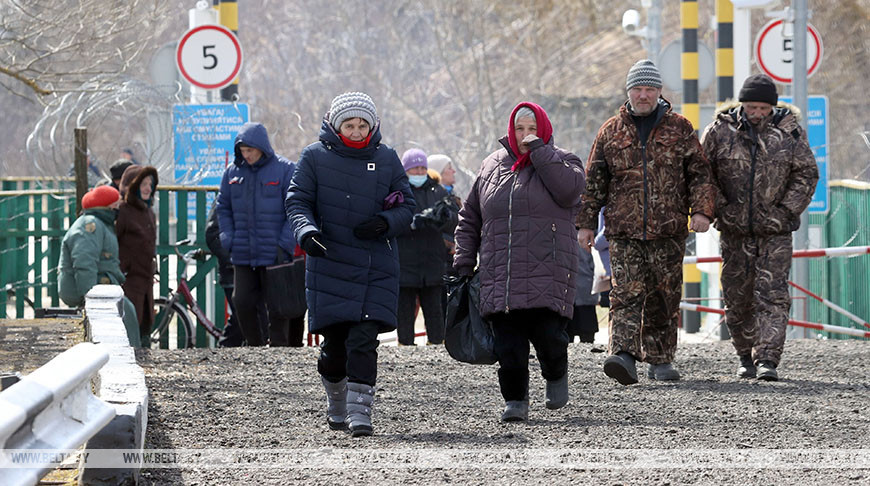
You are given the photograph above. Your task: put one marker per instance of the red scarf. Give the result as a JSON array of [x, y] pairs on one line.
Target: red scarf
[[545, 131], [357, 145]]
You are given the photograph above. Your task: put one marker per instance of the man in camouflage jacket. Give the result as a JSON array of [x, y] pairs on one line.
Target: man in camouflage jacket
[[648, 170], [766, 174]]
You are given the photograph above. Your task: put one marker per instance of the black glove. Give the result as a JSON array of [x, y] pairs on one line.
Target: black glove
[[313, 245], [371, 228], [423, 220]]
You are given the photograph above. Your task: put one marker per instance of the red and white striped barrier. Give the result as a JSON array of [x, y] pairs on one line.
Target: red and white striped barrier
[[821, 252], [832, 305], [792, 322]]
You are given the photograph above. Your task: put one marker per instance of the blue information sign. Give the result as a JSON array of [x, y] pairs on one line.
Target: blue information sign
[[817, 134], [203, 138]]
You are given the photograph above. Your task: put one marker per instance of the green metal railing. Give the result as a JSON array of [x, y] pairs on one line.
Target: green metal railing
[[843, 280], [35, 213], [199, 282]]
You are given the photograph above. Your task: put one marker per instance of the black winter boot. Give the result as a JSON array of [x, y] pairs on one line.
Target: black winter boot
[[767, 371], [621, 367], [662, 372], [747, 367]]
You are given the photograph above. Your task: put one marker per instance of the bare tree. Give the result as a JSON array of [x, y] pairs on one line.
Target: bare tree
[[49, 47]]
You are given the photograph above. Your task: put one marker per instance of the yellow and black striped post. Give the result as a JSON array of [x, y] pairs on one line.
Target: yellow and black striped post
[[228, 12], [724, 51], [689, 61], [692, 111]]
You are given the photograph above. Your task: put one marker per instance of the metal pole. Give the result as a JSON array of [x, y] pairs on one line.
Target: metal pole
[[799, 86], [724, 51], [654, 30], [691, 110], [742, 46], [228, 14], [80, 161]]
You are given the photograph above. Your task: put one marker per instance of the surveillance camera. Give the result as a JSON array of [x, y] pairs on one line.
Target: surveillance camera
[[630, 21]]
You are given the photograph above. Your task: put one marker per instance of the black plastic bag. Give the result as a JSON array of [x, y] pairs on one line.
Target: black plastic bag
[[285, 289], [468, 336]]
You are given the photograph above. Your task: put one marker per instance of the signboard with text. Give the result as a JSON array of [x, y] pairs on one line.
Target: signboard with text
[[203, 142]]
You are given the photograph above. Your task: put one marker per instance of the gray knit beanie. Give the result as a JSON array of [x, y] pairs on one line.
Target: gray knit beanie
[[352, 105], [643, 73]]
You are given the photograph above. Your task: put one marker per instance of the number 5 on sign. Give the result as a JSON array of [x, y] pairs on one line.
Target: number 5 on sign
[[209, 56]]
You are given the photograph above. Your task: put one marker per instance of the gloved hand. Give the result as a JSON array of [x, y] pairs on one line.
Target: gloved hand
[[313, 245], [422, 220], [371, 228]]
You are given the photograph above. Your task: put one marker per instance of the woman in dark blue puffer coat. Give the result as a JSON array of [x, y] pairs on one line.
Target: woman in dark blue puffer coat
[[348, 200]]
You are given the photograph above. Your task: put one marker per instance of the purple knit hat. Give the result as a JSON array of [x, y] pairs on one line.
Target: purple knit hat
[[414, 158]]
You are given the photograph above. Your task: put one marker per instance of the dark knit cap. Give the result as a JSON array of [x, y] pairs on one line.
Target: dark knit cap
[[758, 87], [643, 73], [117, 169]]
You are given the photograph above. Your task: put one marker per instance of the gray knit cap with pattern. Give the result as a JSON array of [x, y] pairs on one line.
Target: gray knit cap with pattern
[[643, 73], [352, 105]]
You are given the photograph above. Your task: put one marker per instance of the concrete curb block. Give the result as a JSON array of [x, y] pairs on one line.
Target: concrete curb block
[[121, 383]]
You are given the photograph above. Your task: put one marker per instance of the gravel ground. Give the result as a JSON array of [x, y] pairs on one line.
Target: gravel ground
[[27, 344], [426, 402]]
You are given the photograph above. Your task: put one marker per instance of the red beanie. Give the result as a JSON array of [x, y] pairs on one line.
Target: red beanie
[[100, 197]]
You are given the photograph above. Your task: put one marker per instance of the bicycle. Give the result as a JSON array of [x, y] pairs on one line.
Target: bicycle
[[171, 311]]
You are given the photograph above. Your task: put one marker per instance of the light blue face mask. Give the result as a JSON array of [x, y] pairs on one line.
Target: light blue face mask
[[417, 180]]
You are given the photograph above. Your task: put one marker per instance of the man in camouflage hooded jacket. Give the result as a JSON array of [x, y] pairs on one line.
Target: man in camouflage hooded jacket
[[649, 172], [766, 174]]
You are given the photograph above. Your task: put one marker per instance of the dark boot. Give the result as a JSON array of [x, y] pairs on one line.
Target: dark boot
[[514, 385], [747, 367], [662, 372], [516, 411], [621, 367], [557, 392], [360, 398], [336, 403], [767, 371]]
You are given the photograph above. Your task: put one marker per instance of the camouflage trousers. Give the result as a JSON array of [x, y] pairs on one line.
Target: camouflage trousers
[[755, 287], [645, 299]]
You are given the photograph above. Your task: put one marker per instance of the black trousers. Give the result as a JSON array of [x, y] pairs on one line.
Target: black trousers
[[350, 349], [433, 314], [512, 333], [583, 324], [250, 288], [232, 335]]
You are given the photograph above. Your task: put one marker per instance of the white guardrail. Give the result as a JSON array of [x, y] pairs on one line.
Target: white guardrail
[[52, 408]]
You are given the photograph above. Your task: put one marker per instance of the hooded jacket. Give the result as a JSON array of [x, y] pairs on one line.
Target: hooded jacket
[[250, 205], [89, 255], [136, 228], [766, 174], [521, 224], [649, 189], [334, 189]]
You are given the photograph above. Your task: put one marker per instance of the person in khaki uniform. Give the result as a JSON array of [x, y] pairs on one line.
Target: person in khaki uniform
[[766, 175], [89, 254], [648, 170]]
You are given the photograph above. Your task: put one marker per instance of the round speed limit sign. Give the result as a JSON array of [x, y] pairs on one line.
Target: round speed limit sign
[[209, 56]]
